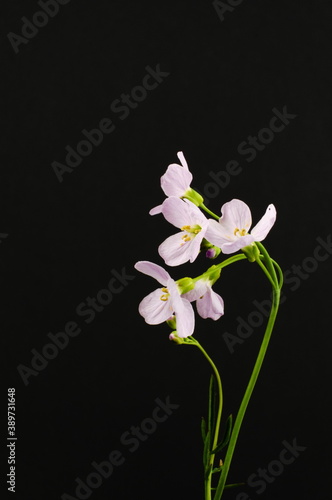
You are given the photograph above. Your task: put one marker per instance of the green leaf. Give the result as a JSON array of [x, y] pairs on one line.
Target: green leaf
[[213, 395], [203, 429], [227, 436], [234, 485], [206, 451]]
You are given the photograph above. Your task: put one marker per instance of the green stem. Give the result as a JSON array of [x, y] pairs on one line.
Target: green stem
[[209, 211], [254, 375], [218, 419], [221, 265]]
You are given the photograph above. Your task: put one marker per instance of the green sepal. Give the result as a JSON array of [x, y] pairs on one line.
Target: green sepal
[[185, 285], [172, 322], [194, 197], [217, 469], [227, 436], [251, 252], [213, 273]]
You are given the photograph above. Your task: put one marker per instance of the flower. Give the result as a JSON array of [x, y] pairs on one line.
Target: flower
[[231, 233], [185, 245], [209, 304], [160, 305], [176, 182]]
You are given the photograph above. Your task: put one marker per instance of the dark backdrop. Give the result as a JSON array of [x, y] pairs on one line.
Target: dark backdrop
[[224, 72]]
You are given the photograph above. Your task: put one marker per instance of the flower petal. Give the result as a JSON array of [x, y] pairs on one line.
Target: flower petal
[[156, 210], [262, 228], [174, 250], [240, 242], [182, 159], [177, 212], [153, 270], [184, 313], [153, 309], [216, 234], [211, 305], [176, 180], [236, 215], [201, 287]]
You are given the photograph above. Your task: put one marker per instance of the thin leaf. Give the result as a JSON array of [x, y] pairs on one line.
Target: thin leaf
[[206, 451], [234, 485], [227, 436], [212, 414]]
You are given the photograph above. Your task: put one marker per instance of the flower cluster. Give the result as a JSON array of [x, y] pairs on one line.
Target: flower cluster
[[228, 234]]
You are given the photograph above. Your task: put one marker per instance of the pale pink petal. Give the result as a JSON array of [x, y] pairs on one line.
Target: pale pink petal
[[211, 305], [182, 159], [156, 210], [236, 215], [153, 270], [153, 309], [176, 180], [195, 245], [200, 289], [177, 212], [262, 228], [216, 234], [184, 313], [174, 250], [240, 242]]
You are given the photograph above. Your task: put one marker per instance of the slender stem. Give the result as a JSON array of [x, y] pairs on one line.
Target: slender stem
[[218, 419], [281, 275], [209, 211], [221, 265], [253, 378], [266, 272], [269, 263]]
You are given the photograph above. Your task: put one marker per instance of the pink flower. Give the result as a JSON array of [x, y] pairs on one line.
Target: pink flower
[[185, 245], [231, 233], [175, 181], [209, 304], [160, 305]]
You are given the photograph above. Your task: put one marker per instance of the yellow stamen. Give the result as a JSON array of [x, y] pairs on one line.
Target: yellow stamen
[[240, 232], [164, 298]]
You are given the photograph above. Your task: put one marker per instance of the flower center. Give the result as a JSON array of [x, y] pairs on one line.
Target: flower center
[[240, 232], [165, 295], [190, 232]]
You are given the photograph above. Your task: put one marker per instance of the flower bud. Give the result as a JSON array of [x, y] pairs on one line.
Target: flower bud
[[213, 252], [173, 336], [172, 322]]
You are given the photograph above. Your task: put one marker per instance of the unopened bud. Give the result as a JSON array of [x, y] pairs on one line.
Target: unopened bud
[[213, 252]]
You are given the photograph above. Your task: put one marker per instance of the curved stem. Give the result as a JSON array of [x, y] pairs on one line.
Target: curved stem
[[218, 419], [209, 211], [254, 375]]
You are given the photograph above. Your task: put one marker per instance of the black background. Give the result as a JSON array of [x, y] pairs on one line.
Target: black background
[[64, 239]]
